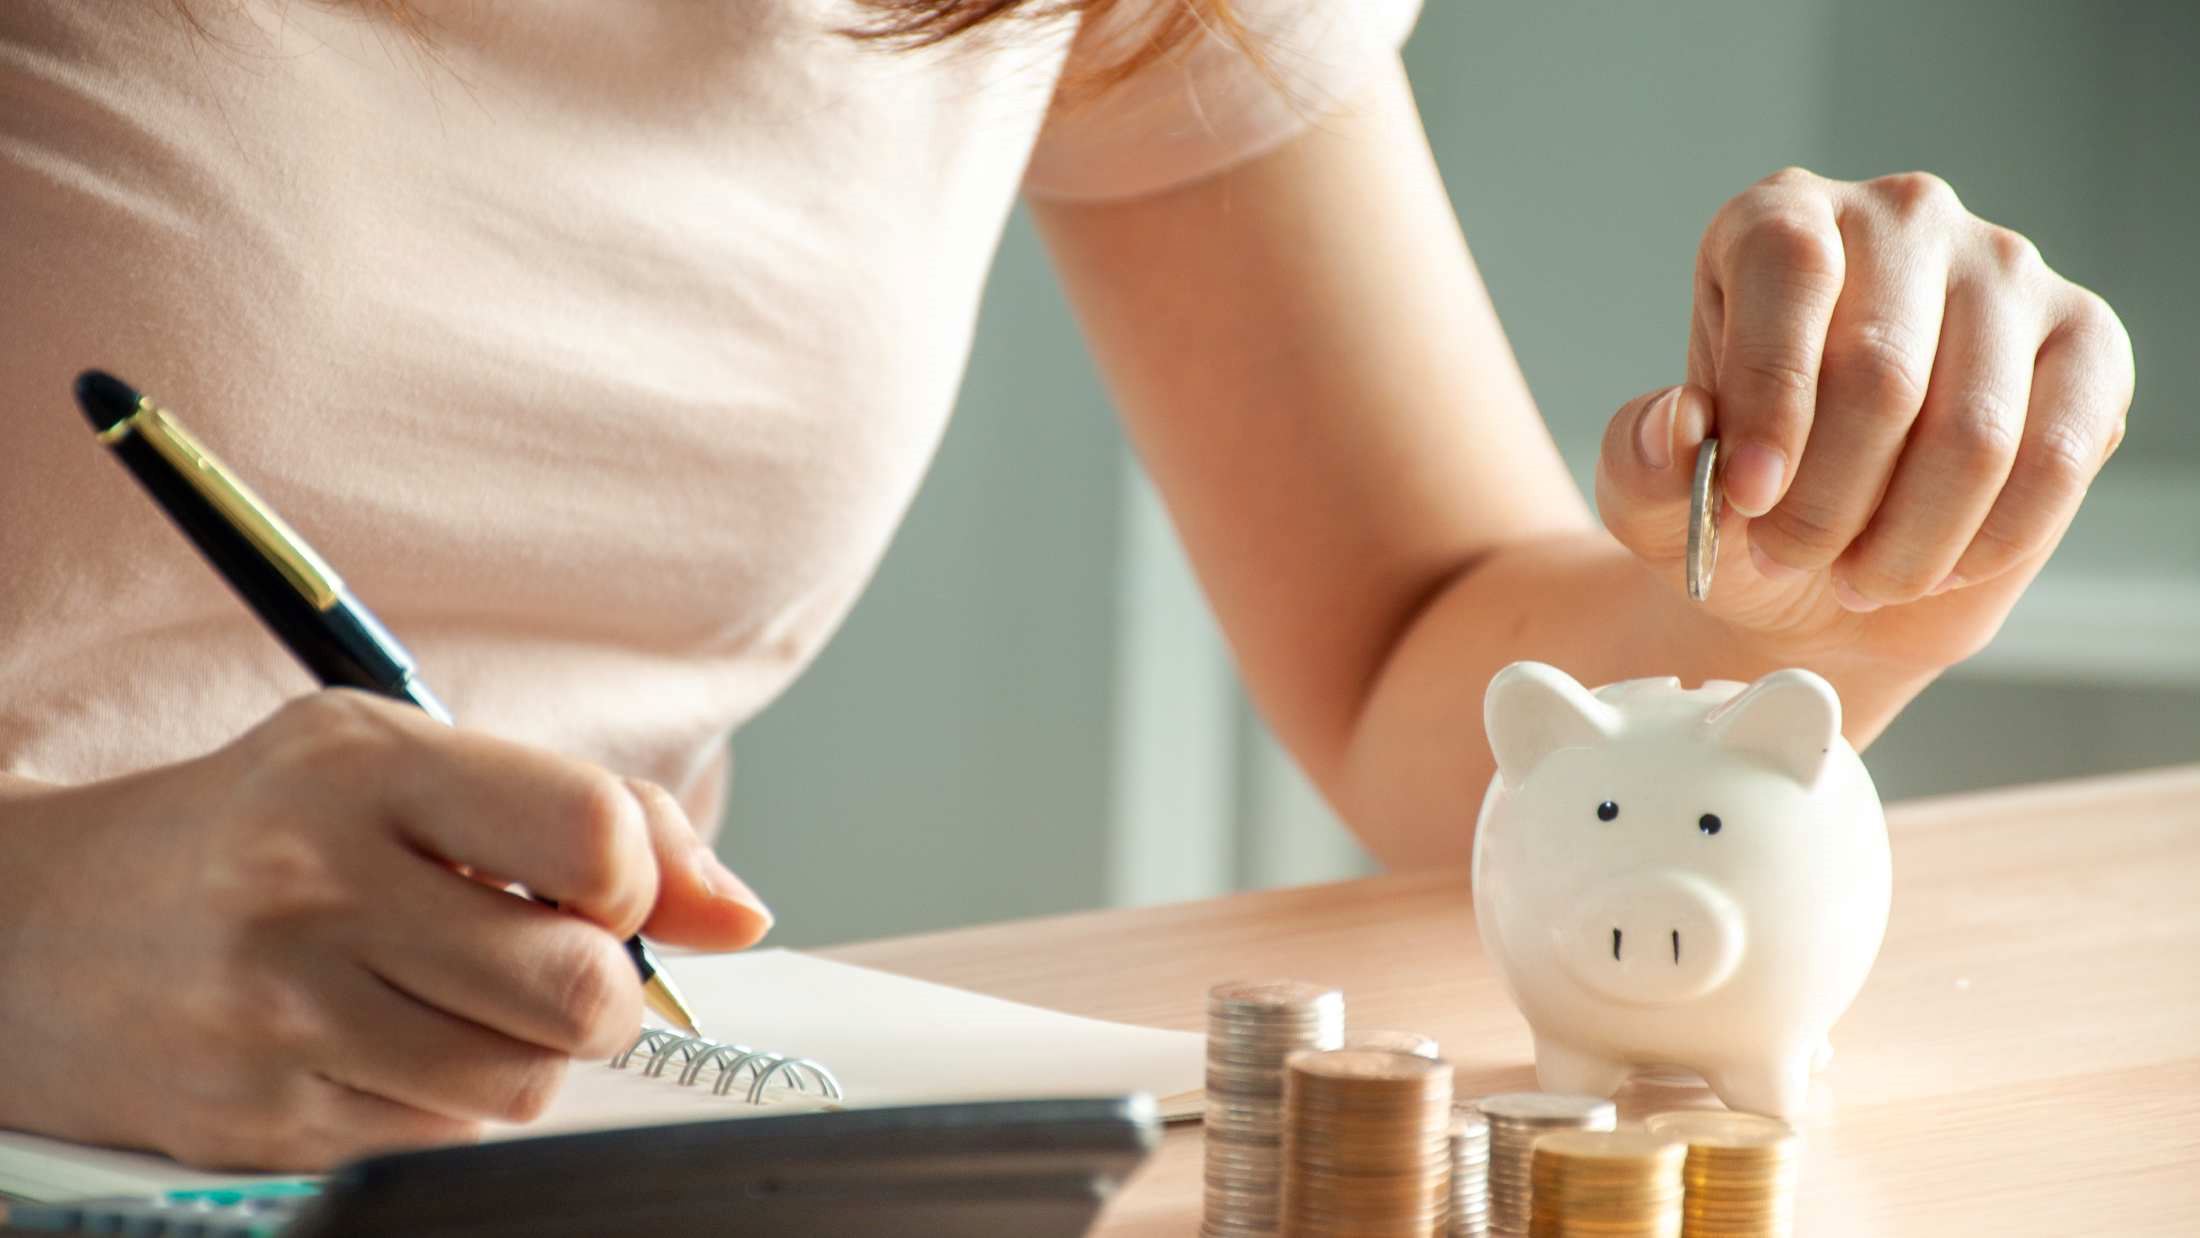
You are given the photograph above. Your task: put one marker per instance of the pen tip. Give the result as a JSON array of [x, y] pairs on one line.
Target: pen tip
[[660, 995], [104, 398]]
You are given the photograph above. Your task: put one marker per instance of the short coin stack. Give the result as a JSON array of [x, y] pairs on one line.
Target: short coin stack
[[1516, 1119], [1251, 1029], [1366, 1144], [1607, 1184], [1740, 1172], [1470, 1176]]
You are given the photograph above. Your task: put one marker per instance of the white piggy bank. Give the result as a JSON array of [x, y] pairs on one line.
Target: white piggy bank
[[1678, 877]]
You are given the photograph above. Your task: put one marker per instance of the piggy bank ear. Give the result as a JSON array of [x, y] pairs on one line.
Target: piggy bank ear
[[1788, 719], [1533, 710]]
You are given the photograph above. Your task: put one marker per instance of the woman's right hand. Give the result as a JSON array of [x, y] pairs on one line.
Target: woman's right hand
[[270, 957]]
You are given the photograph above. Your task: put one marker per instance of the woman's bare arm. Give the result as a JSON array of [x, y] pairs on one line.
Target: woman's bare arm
[[1308, 364]]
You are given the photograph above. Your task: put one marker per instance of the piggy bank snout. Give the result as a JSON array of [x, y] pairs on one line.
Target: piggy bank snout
[[1651, 939]]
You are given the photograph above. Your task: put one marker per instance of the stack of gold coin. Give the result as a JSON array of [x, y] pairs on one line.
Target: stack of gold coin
[[1393, 1041], [1366, 1144], [1470, 1176], [1516, 1119], [1251, 1029], [1740, 1172], [1607, 1184]]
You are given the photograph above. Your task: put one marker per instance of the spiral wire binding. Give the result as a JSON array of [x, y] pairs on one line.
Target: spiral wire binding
[[695, 1054]]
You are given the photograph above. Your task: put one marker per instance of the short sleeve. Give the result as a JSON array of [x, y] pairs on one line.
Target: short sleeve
[[1207, 104]]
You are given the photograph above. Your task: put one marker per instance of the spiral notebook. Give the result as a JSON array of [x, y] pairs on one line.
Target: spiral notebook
[[885, 1039]]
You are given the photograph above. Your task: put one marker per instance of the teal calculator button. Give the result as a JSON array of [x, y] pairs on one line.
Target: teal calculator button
[[283, 1190], [230, 1197], [216, 1198]]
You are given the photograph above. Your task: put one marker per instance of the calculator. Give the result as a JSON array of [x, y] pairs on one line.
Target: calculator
[[256, 1211], [1034, 1168]]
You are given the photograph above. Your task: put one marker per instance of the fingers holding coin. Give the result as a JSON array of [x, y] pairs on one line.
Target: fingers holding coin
[[1908, 400], [1646, 485]]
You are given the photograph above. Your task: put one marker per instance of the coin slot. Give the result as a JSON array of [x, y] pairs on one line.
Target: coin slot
[[1615, 945], [1676, 947]]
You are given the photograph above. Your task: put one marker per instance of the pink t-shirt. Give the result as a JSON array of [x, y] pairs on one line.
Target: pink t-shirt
[[599, 346]]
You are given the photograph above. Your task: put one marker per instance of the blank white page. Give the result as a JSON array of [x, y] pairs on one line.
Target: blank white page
[[889, 1040]]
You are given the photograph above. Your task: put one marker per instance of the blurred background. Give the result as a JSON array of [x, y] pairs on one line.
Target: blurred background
[[1031, 710]]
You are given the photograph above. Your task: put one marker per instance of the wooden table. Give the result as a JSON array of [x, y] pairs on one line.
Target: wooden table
[[2024, 1060]]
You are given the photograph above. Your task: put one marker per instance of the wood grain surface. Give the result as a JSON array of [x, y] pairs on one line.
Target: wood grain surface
[[2025, 1059]]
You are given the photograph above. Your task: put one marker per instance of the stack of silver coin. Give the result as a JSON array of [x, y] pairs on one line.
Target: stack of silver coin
[[1516, 1119], [1470, 1176], [1251, 1029]]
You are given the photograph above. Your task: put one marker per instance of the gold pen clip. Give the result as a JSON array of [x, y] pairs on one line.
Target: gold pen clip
[[277, 542]]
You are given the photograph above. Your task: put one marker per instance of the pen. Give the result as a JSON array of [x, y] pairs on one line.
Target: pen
[[289, 586]]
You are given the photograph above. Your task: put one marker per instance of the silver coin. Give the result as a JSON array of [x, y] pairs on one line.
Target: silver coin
[[1222, 1153], [1252, 1030], [1243, 1023], [1516, 1120], [1243, 1112], [1244, 1081], [1509, 1108], [1705, 499], [1470, 1176], [1263, 995], [1394, 1041]]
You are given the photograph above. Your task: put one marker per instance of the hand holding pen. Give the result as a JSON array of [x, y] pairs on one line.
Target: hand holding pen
[[264, 956]]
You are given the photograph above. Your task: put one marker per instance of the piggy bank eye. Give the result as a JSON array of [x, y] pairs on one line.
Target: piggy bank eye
[[1607, 810], [1708, 823]]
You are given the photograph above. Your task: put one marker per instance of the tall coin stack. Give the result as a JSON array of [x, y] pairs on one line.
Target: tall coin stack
[[1607, 1184], [1251, 1029], [1516, 1119], [1366, 1145], [1470, 1176], [1740, 1172]]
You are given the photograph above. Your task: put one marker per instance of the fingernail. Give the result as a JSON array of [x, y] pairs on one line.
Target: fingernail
[[723, 884], [1850, 599], [1952, 582], [1654, 431], [1771, 568], [1753, 475]]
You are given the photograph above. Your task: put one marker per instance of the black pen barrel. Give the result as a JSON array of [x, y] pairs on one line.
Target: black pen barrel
[[298, 597], [342, 645]]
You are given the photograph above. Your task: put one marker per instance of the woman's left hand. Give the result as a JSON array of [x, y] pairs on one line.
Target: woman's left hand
[[1909, 405]]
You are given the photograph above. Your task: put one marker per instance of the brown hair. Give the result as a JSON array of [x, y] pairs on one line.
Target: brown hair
[[928, 23]]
